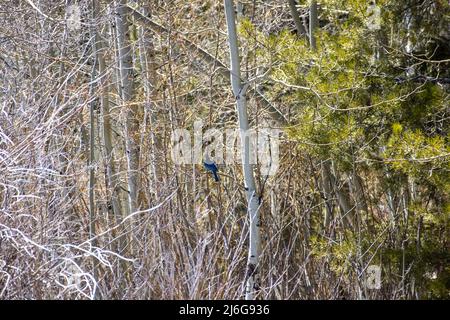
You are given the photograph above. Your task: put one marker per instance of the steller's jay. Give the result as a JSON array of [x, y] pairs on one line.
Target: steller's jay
[[211, 166]]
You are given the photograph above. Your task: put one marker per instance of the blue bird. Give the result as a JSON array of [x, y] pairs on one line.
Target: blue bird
[[211, 166]]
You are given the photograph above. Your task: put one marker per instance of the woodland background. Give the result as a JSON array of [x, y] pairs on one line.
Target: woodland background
[[92, 206]]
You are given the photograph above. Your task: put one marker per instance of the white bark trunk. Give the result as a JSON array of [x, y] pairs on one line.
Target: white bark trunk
[[149, 79], [112, 180], [252, 277], [296, 17]]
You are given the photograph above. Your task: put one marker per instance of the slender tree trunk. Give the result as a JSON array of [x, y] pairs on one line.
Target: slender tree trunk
[[116, 193], [313, 23], [296, 17], [359, 194], [341, 194], [327, 192], [134, 112], [252, 277], [149, 79], [272, 111], [92, 216]]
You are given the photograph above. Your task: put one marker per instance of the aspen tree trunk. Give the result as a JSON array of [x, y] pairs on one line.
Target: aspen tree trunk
[[272, 111], [313, 23], [327, 188], [117, 196], [133, 113], [295, 16], [92, 217], [252, 277], [113, 30], [341, 194], [149, 79]]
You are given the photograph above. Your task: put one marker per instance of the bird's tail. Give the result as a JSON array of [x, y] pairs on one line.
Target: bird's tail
[[216, 176]]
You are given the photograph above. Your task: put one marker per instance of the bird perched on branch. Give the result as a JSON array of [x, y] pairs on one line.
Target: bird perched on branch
[[211, 166]]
